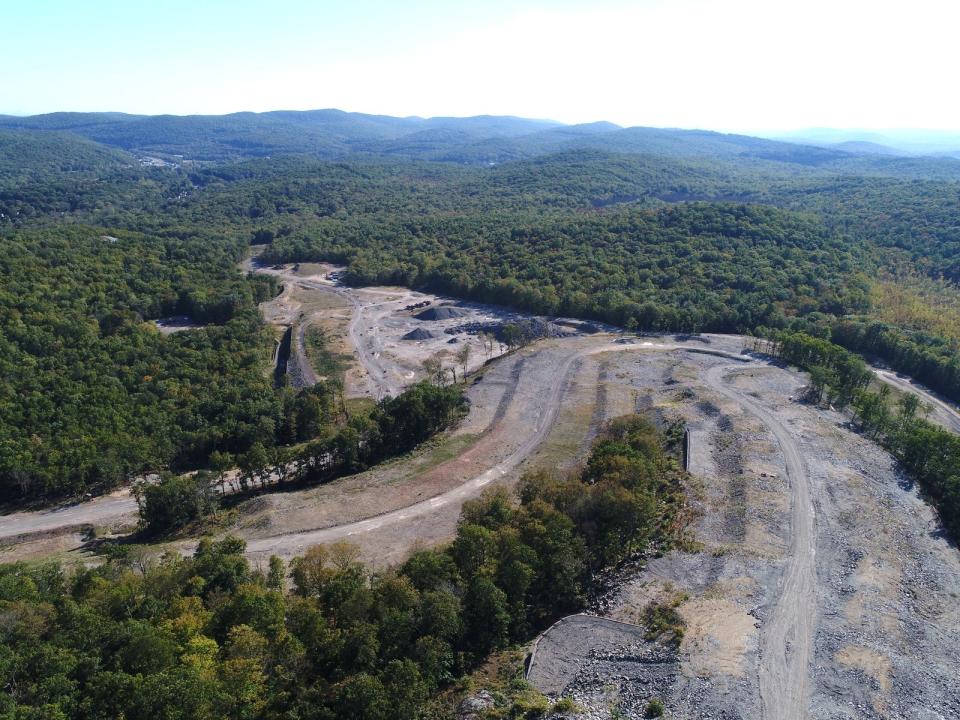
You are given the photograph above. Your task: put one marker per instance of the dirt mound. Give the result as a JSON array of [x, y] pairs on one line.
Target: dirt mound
[[440, 313], [418, 334]]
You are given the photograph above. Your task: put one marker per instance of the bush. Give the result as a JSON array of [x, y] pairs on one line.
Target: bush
[[655, 708], [529, 704], [664, 623], [565, 705]]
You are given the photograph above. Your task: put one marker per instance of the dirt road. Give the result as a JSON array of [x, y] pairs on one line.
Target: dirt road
[[942, 412], [787, 637], [364, 308], [548, 405], [99, 511]]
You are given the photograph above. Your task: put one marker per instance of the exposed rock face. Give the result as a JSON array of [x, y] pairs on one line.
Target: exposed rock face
[[602, 664], [475, 706]]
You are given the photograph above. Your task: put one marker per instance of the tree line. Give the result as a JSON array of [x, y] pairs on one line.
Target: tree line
[[930, 454], [209, 636], [397, 425]]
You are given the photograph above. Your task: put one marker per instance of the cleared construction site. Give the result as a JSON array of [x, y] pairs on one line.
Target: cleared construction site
[[814, 578]]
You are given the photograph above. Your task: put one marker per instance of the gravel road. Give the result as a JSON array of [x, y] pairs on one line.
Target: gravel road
[[100, 511], [942, 412], [548, 406], [788, 632]]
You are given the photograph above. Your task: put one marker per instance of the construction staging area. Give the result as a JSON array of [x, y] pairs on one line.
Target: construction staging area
[[814, 580]]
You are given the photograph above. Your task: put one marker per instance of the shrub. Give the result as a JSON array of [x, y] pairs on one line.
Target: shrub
[[655, 708]]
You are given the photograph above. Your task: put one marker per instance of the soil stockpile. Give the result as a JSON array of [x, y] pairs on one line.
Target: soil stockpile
[[418, 334], [440, 313]]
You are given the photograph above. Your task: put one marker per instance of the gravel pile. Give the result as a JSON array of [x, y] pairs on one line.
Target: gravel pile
[[441, 313], [418, 334]]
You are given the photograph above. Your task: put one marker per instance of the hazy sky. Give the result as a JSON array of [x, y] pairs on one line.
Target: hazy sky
[[721, 64]]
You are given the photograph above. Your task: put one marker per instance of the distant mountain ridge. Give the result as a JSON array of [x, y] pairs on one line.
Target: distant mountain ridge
[[918, 143], [481, 140], [325, 133]]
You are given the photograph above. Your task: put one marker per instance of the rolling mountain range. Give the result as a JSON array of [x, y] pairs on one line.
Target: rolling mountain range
[[481, 140]]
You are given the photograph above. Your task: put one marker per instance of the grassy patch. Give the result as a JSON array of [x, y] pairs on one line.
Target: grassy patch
[[567, 438], [433, 453], [663, 622], [326, 363], [359, 406]]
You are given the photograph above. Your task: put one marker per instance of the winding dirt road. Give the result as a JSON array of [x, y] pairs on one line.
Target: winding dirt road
[[549, 404], [787, 637]]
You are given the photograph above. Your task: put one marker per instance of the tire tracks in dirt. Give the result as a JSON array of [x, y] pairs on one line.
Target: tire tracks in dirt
[[787, 636], [508, 393]]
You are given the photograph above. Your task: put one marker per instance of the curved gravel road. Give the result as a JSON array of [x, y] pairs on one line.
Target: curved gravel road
[[787, 637], [549, 404], [943, 413]]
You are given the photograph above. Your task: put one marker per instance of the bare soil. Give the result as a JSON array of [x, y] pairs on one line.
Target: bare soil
[[880, 623], [824, 588]]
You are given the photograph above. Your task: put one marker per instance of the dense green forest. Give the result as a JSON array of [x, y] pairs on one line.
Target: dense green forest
[[90, 392], [650, 230], [690, 267], [211, 637], [395, 426]]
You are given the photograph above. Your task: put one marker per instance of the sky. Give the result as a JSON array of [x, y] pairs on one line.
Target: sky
[[734, 65]]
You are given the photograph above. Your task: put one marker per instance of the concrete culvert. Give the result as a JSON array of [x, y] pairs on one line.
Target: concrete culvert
[[441, 313], [418, 334]]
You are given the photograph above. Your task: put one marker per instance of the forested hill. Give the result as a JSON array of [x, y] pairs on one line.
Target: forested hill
[[692, 267], [334, 134], [25, 156], [699, 231], [322, 133]]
